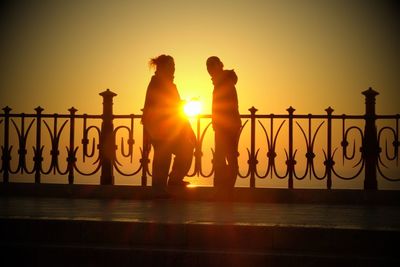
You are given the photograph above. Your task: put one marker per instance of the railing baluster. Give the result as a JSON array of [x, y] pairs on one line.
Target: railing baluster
[[71, 152], [253, 160], [290, 162], [6, 157], [145, 157], [197, 152], [22, 146], [329, 161], [38, 158]]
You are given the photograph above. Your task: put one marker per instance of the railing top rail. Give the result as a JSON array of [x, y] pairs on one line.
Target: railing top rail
[[302, 116], [67, 116], [203, 116], [397, 116]]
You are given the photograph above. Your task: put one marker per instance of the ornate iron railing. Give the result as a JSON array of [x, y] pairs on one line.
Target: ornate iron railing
[[21, 129]]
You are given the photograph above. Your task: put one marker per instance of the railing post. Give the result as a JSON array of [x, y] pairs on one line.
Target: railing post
[[38, 158], [329, 160], [107, 145], [290, 161], [71, 151], [370, 146], [145, 157], [252, 160], [197, 150], [6, 157]]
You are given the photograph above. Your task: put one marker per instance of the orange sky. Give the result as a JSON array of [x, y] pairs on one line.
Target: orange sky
[[308, 54]]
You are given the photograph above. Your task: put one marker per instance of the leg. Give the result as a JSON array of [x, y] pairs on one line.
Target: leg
[[182, 161], [219, 160], [161, 163], [232, 158]]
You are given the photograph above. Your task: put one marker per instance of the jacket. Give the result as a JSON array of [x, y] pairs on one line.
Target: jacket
[[225, 107], [162, 116]]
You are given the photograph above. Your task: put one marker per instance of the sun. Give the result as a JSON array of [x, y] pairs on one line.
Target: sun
[[193, 107]]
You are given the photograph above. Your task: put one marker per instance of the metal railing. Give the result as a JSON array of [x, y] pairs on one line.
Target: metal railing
[[20, 129]]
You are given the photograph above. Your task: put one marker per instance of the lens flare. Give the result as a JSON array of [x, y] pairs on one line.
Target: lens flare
[[193, 107]]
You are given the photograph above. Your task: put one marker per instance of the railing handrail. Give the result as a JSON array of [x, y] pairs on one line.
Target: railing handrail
[[201, 116]]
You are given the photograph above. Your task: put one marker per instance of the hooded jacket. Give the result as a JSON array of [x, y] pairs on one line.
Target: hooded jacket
[[225, 107]]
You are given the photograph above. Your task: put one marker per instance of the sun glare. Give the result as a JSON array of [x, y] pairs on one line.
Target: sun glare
[[192, 107]]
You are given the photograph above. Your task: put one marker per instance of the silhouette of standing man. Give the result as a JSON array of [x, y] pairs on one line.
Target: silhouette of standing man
[[169, 132], [226, 124]]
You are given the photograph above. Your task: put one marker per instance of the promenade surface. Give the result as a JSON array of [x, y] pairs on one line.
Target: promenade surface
[[204, 212], [351, 209]]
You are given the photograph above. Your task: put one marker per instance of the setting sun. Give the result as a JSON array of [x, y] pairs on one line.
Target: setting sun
[[192, 107]]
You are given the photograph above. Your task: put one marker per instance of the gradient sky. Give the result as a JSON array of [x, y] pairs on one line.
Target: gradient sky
[[309, 54]]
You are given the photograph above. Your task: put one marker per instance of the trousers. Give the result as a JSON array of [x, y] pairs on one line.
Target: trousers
[[226, 159], [163, 151]]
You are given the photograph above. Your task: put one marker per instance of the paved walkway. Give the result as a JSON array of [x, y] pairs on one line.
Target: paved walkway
[[204, 212]]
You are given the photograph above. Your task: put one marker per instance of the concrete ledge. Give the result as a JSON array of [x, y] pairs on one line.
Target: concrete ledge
[[199, 236], [267, 195], [48, 255], [109, 243]]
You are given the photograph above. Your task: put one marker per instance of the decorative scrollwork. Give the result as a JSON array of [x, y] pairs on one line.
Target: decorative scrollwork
[[130, 142], [85, 144], [271, 154], [54, 152], [198, 153], [22, 151], [345, 156], [310, 141], [394, 134]]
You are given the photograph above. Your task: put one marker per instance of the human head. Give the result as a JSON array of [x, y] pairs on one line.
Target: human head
[[214, 66], [163, 65]]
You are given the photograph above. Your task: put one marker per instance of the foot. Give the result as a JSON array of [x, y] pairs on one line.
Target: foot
[[179, 183]]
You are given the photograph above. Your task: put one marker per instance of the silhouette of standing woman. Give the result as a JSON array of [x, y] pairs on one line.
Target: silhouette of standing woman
[[169, 132], [226, 124]]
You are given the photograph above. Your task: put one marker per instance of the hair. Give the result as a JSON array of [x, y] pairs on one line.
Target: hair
[[161, 60], [214, 61]]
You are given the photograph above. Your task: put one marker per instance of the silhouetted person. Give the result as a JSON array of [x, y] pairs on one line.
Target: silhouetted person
[[169, 132], [226, 124]]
